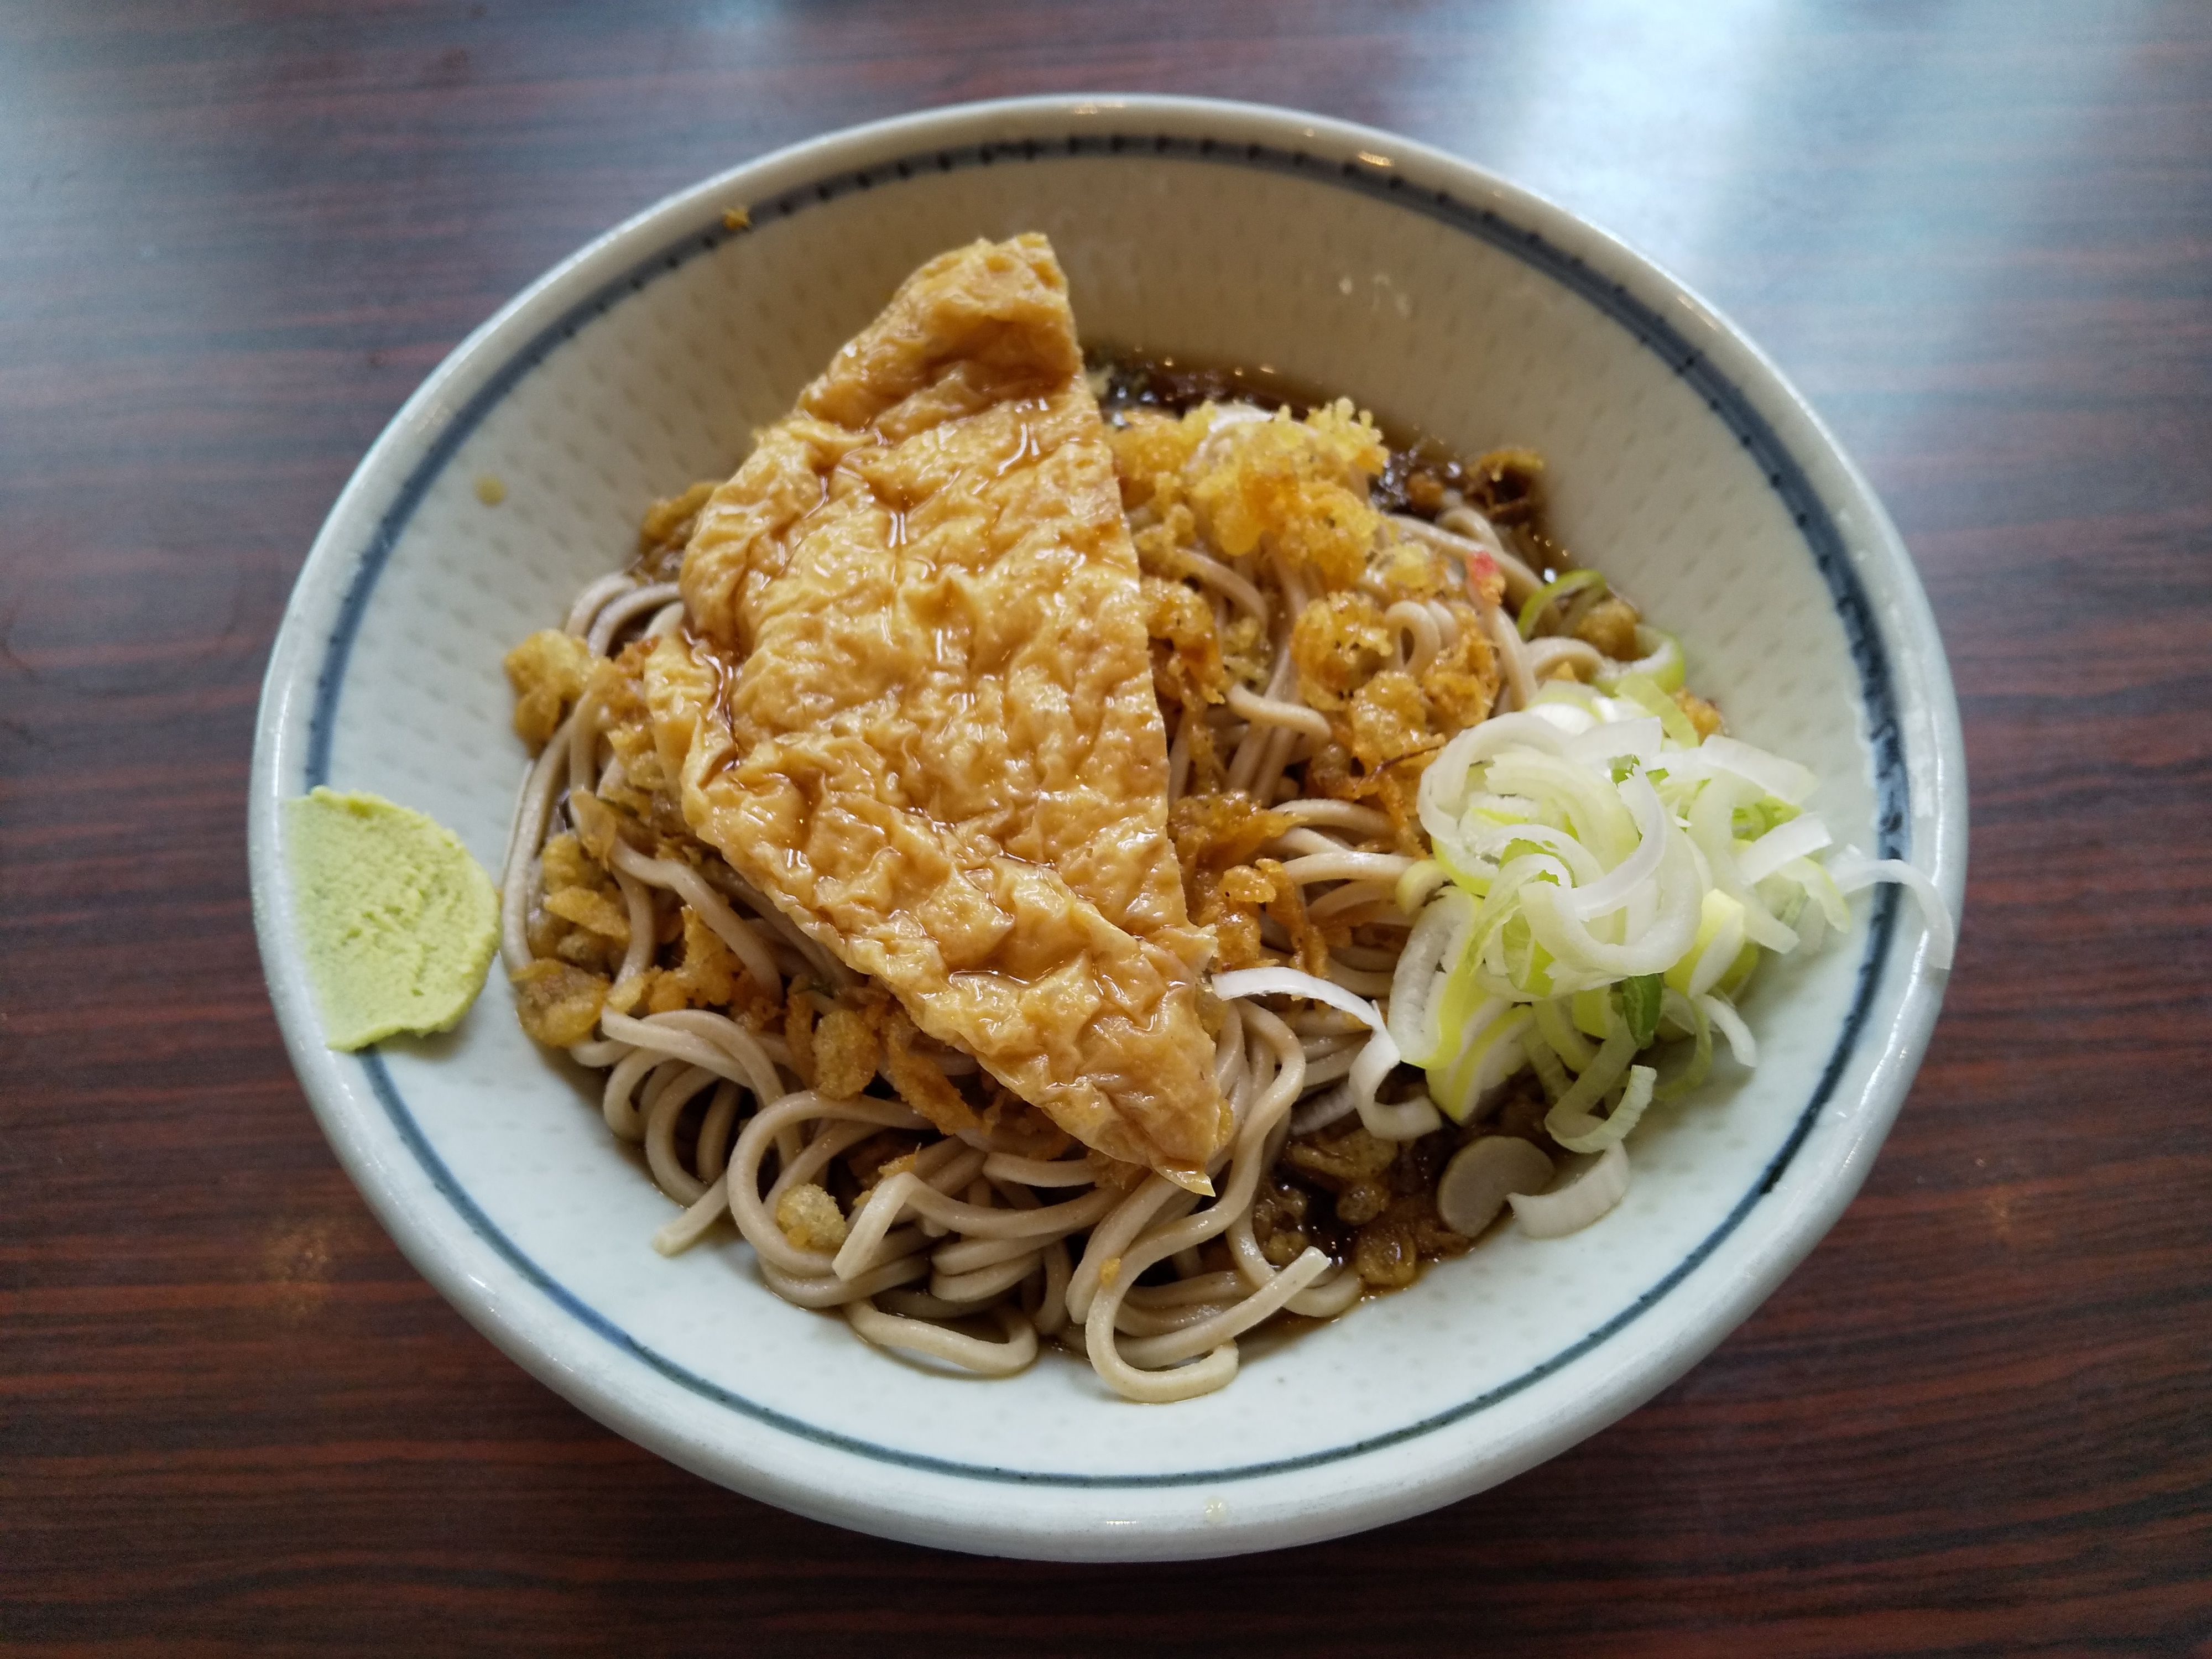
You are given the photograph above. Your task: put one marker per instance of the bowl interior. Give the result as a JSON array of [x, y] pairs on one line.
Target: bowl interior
[[1431, 321]]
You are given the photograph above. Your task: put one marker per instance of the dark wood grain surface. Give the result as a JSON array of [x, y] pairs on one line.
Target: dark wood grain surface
[[1977, 232]]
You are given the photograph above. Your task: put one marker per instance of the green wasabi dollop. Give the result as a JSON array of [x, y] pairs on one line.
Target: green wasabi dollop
[[399, 922]]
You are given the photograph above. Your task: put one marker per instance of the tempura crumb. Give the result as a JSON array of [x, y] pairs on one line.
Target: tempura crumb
[[666, 526], [706, 978], [918, 1080], [1406, 569], [846, 1053], [1389, 719], [593, 910], [548, 671], [1150, 450], [1610, 625], [1702, 714], [558, 1004], [1294, 488], [1461, 684], [809, 1219], [1189, 670], [566, 864], [1338, 642]]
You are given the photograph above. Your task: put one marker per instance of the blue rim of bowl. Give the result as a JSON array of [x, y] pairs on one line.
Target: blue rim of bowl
[[1784, 475]]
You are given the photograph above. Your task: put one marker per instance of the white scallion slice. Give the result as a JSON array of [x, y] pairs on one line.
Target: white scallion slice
[[1595, 1134], [1492, 841], [1730, 1024], [1591, 899], [1558, 1029], [1438, 940], [1639, 740], [1686, 1016], [1407, 1119], [1572, 1208], [1801, 838], [1498, 1048], [1783, 779], [1655, 950], [1418, 883], [1662, 662], [1853, 871], [1444, 785], [1572, 1112], [1712, 819]]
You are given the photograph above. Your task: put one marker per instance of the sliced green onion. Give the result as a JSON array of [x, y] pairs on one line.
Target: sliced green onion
[[1527, 963], [1718, 913], [1572, 1111], [1559, 1033], [1639, 1006], [1419, 884], [1453, 1013], [1661, 663], [1549, 1072], [1567, 691], [1820, 887], [1433, 955], [1494, 1055], [1767, 813], [1730, 984], [1614, 883], [1647, 694], [1588, 1133], [1592, 1010], [1773, 773], [1570, 1209], [1462, 865], [1729, 1023], [1689, 1013], [1532, 610]]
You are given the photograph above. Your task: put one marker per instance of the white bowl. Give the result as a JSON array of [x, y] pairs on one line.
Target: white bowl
[[1445, 299]]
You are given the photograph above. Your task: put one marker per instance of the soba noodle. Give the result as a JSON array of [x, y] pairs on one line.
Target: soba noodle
[[973, 1249]]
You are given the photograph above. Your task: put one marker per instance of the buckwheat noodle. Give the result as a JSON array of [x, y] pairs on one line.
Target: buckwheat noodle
[[976, 1253]]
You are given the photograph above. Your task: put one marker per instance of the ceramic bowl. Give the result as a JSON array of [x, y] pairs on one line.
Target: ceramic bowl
[[1444, 299]]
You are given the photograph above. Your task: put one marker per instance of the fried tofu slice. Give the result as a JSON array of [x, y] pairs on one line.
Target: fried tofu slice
[[914, 706]]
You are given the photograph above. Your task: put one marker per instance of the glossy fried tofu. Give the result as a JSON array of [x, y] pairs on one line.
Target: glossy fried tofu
[[914, 706]]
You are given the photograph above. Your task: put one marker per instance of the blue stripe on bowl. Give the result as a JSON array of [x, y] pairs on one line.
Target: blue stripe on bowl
[[1784, 474]]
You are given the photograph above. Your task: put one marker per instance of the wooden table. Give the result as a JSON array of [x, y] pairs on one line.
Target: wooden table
[[232, 238]]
